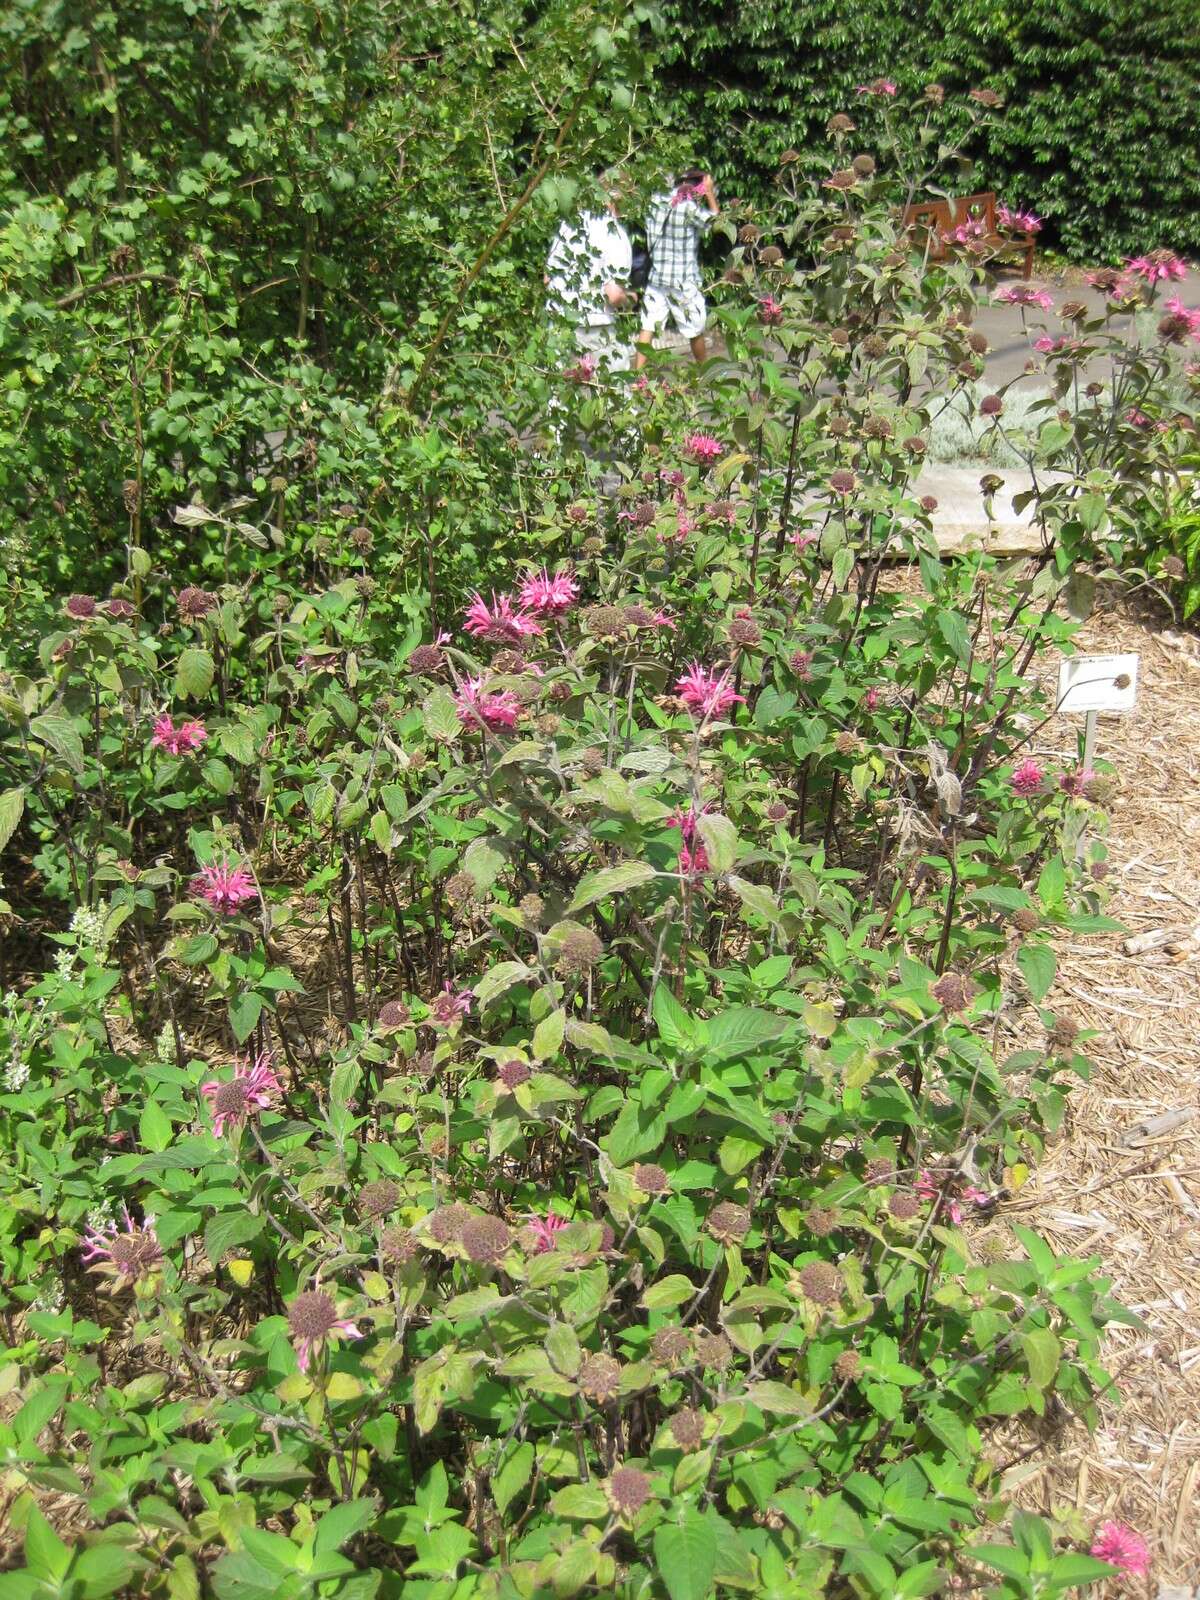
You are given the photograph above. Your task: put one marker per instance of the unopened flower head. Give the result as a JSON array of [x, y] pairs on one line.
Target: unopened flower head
[[225, 888], [544, 1229], [252, 1087], [1074, 782], [881, 88], [770, 311]]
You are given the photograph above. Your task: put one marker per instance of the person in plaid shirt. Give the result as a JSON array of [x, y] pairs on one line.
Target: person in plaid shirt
[[676, 221]]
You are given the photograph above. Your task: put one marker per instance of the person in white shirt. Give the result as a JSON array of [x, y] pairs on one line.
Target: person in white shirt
[[587, 281]]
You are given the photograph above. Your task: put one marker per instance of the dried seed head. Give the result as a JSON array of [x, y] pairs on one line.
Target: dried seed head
[[728, 1223], [771, 256], [915, 445], [848, 1365], [1102, 789], [880, 1169], [822, 1283], [864, 165], [604, 622], [800, 662], [821, 1220], [485, 1239], [447, 1222], [365, 586], [847, 743], [929, 504], [600, 1377], [393, 1014], [840, 123], [778, 812], [650, 1178], [397, 1245], [1073, 310], [839, 337], [312, 1314], [1098, 871], [842, 481], [744, 633], [874, 347], [193, 603], [578, 952], [531, 907], [749, 234], [1063, 1034], [934, 93], [80, 607], [877, 428], [577, 513], [687, 1428], [986, 97], [846, 178], [1172, 566], [1025, 919], [593, 546], [839, 427], [362, 540], [378, 1199], [461, 891], [671, 1347], [628, 1491], [592, 761], [954, 991], [713, 1350], [990, 482], [904, 1206], [513, 1073]]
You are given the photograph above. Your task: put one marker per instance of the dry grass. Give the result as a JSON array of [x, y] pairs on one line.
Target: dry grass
[[1136, 1201]]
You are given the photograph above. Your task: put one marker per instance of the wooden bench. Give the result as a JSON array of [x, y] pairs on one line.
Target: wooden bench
[[933, 221]]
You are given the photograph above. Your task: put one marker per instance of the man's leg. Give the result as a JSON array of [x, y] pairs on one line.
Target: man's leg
[[699, 348], [643, 339], [655, 312], [691, 317]]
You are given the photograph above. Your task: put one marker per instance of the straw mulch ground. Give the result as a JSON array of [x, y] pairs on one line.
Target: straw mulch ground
[[1135, 1201]]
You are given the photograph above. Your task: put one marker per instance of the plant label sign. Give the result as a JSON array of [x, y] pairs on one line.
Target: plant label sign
[[1097, 683]]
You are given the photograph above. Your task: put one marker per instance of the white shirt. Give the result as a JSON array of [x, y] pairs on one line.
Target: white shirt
[[586, 255]]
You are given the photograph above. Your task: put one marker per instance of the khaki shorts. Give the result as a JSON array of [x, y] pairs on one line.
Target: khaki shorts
[[684, 307]]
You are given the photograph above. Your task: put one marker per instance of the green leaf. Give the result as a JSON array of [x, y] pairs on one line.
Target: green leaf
[[1043, 1353], [237, 741], [154, 1127], [12, 804], [499, 978], [720, 840], [45, 1552], [581, 1502], [62, 736], [777, 1398], [742, 1029], [244, 1012], [609, 881], [194, 673], [440, 716], [674, 1025], [1038, 966], [342, 1523], [562, 1347], [548, 1035], [668, 1293], [685, 1553], [483, 862], [953, 630], [512, 1476], [229, 1229]]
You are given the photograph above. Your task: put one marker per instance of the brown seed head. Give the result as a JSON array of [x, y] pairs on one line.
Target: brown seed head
[[671, 1347], [771, 256], [821, 1283], [628, 1491], [904, 1206], [687, 1428], [578, 952], [513, 1073], [954, 992], [311, 1314], [877, 428], [1025, 919], [848, 1365], [393, 1014], [821, 1220], [378, 1199], [447, 1222], [193, 603], [397, 1245], [651, 1178], [713, 1350], [839, 123], [600, 1377], [728, 1223], [485, 1239]]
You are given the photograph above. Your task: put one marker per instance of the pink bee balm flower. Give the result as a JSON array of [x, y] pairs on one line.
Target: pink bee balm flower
[[801, 541], [312, 1320], [977, 1197], [702, 448], [663, 619], [1138, 419], [449, 1006], [1024, 294], [883, 87], [1160, 266], [478, 708], [1017, 221], [1122, 1548], [965, 233], [687, 191], [693, 858], [770, 311], [250, 1089], [581, 371], [928, 1189], [550, 596], [1075, 782], [225, 888], [1176, 308], [178, 741], [501, 623], [127, 1253], [870, 699], [544, 1230], [1026, 778], [710, 693]]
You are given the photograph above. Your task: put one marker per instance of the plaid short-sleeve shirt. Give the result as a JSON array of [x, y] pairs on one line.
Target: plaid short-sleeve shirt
[[674, 229]]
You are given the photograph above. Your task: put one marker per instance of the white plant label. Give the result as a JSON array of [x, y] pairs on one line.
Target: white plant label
[[1097, 683]]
